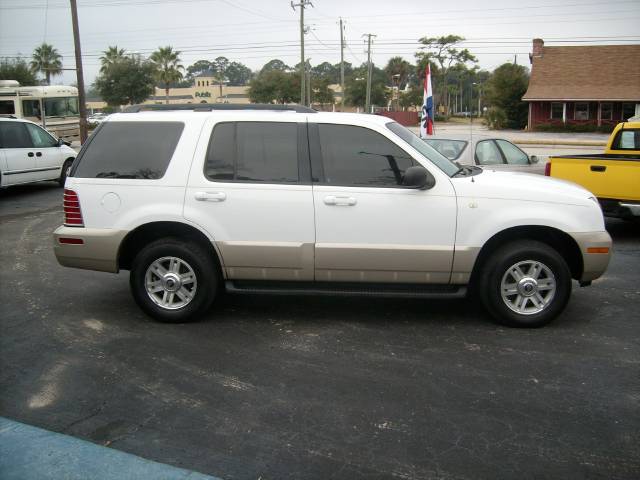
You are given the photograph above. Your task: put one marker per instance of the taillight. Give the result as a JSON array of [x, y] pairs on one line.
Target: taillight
[[72, 213], [547, 169]]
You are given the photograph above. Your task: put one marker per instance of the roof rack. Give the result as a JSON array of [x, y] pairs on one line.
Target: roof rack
[[208, 107]]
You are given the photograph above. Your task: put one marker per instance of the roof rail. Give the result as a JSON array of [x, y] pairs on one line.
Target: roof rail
[[208, 107]]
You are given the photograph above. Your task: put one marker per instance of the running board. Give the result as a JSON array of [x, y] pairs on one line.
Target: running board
[[347, 289]]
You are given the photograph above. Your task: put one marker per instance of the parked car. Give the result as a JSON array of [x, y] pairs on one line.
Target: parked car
[[302, 202], [28, 153], [96, 118], [486, 152], [613, 176]]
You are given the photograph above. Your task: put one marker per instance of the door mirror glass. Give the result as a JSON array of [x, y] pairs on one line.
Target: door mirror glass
[[418, 178]]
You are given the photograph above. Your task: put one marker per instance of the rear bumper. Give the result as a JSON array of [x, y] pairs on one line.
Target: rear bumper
[[99, 250], [595, 248]]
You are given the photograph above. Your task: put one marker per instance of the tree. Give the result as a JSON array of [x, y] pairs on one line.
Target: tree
[[320, 91], [111, 55], [504, 91], [275, 64], [17, 69], [168, 68], [199, 67], [238, 73], [47, 60], [275, 86], [126, 82], [444, 50], [327, 71], [398, 66], [356, 87], [411, 98]]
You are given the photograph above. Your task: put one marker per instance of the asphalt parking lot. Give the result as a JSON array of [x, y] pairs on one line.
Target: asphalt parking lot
[[320, 388]]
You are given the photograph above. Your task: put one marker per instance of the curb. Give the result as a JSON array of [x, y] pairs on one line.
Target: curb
[[37, 454]]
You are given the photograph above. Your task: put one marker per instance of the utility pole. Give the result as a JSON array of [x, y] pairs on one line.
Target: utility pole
[[79, 75], [367, 106], [308, 81], [303, 73], [342, 65]]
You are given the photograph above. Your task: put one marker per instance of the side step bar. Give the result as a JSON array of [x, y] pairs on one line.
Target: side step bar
[[347, 289]]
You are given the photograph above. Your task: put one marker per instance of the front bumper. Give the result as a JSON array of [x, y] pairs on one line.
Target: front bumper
[[595, 248], [99, 250]]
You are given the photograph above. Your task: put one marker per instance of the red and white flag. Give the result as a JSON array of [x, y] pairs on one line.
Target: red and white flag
[[426, 122]]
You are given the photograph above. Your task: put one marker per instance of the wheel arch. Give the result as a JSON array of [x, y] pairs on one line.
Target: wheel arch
[[149, 232], [560, 241]]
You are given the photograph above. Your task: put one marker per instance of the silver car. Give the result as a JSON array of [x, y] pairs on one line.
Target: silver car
[[486, 152]]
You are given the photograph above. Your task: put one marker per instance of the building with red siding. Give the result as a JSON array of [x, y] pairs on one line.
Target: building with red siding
[[596, 85]]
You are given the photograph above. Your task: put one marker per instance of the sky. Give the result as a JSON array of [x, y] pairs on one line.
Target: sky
[[254, 32]]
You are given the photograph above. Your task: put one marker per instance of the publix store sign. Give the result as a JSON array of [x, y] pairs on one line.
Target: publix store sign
[[203, 94]]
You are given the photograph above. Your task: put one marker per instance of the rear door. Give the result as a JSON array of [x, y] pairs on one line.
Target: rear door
[[19, 154], [250, 188]]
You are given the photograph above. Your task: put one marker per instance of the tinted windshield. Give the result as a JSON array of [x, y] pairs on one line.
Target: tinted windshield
[[449, 148], [430, 153]]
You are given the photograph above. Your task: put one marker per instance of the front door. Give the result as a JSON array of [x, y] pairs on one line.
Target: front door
[[250, 188], [369, 228], [49, 158]]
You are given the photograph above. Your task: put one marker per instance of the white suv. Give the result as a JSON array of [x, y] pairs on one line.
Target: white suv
[[325, 203], [28, 153]]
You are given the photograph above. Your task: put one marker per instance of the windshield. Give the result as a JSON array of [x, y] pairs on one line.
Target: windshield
[[430, 153], [61, 107]]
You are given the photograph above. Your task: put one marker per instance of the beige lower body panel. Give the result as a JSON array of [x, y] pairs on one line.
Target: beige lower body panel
[[280, 261], [99, 251], [594, 264], [382, 263]]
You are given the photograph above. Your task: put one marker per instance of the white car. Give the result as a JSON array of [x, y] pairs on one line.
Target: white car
[[487, 152], [302, 202], [28, 153]]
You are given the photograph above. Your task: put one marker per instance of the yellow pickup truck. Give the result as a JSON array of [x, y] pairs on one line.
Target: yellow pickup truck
[[613, 177]]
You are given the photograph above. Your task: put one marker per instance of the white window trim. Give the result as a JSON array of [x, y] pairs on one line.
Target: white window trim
[[575, 109], [551, 111]]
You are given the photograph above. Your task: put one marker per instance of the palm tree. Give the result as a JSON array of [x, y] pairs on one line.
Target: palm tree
[[47, 60], [398, 66], [111, 55], [167, 62]]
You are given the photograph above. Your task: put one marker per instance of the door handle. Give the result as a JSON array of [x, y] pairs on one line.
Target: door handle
[[338, 200], [38, 154], [598, 168], [211, 196], [30, 154]]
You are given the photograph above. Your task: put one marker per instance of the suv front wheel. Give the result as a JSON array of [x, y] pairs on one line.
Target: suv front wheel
[[525, 284], [173, 281]]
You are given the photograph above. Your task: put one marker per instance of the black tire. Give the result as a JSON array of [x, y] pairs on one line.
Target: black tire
[[525, 253], [64, 171], [193, 258]]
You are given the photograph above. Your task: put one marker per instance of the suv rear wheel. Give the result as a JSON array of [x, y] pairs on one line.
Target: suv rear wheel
[[173, 281], [525, 284]]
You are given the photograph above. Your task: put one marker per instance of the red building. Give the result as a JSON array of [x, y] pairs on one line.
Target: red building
[[583, 85]]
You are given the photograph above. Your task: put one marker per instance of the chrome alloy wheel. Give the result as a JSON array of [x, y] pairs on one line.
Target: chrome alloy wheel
[[528, 287], [170, 282]]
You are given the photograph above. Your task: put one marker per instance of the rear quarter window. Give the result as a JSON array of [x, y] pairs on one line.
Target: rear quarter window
[[138, 150]]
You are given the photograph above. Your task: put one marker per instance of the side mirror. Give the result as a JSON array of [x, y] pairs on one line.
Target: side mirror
[[533, 159], [62, 142], [418, 178]]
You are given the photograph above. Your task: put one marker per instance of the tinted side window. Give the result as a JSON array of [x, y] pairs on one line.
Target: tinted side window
[[41, 139], [253, 152], [361, 157], [130, 150], [488, 154], [14, 135], [513, 154], [627, 140]]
